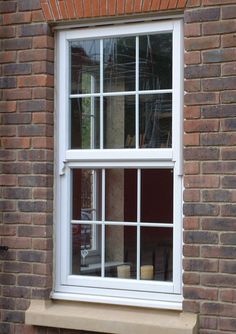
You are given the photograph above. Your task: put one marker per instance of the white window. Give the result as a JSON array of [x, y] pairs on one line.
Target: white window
[[119, 209]]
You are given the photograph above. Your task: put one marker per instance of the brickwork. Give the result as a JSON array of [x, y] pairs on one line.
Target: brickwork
[[26, 154], [210, 152]]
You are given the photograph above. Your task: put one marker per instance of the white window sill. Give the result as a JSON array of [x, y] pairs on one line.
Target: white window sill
[[104, 318]]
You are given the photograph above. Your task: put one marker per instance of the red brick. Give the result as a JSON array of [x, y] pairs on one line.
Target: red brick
[[112, 7], [218, 139], [43, 143], [200, 125], [54, 9], [71, 9], [19, 243], [87, 8], [228, 40], [202, 71], [47, 10], [172, 4], [138, 5], [146, 6], [191, 139], [226, 252], [96, 7], [7, 31], [209, 322], [41, 42], [219, 27], [181, 3], [63, 9], [228, 295], [217, 56], [192, 85], [191, 223], [192, 167], [201, 98], [7, 56], [201, 43], [218, 195], [229, 12], [120, 7], [227, 324], [202, 15], [202, 265], [192, 112], [192, 58], [42, 118], [37, 16], [218, 84], [191, 250], [164, 4], [35, 81], [191, 278], [8, 180], [191, 306], [229, 68], [191, 195], [200, 293], [36, 55], [216, 2], [79, 8], [201, 153], [16, 143], [228, 96], [7, 106], [8, 6], [192, 30], [17, 18], [202, 181]]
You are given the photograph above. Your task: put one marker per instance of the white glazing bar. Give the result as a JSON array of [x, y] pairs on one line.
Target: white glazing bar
[[91, 222], [120, 93], [137, 95], [101, 94], [138, 220], [103, 224]]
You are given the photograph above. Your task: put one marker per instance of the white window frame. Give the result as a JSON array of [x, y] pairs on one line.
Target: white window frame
[[112, 290]]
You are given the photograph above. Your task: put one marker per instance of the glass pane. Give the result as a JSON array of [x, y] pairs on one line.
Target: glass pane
[[119, 64], [157, 196], [86, 194], [121, 195], [85, 66], [85, 123], [119, 122], [86, 249], [156, 254], [121, 251], [155, 121], [155, 62]]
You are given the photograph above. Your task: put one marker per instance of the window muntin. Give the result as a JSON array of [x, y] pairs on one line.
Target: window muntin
[[136, 156]]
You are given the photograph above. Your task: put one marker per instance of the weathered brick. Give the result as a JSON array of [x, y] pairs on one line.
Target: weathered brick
[[192, 85], [228, 266], [16, 291], [202, 15], [219, 167], [46, 143], [219, 27], [191, 278], [37, 16], [35, 231], [228, 210], [13, 316], [192, 30], [202, 209], [7, 82], [201, 98], [43, 68], [43, 117], [200, 237], [7, 106], [7, 6], [32, 280], [7, 303], [16, 168], [7, 230], [42, 193], [218, 111], [228, 153], [201, 125], [35, 29], [217, 84], [202, 71], [202, 181], [16, 69], [16, 18], [16, 143], [33, 105], [17, 94], [8, 180], [218, 56], [17, 267], [192, 112], [227, 324], [7, 57], [34, 130], [25, 5], [220, 252], [202, 43], [191, 250], [35, 206], [191, 223], [36, 55], [7, 205], [200, 293], [35, 81], [228, 238], [11, 118], [7, 279], [192, 58], [191, 195], [218, 139], [36, 155], [43, 168], [191, 139], [191, 306], [228, 295], [208, 322], [201, 153], [218, 195], [218, 309], [17, 44], [7, 32], [32, 256], [203, 265], [8, 130], [229, 68], [228, 97], [219, 280], [17, 193], [17, 218], [229, 182], [228, 40]]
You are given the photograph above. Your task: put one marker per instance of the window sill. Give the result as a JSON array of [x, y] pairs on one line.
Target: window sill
[[114, 319]]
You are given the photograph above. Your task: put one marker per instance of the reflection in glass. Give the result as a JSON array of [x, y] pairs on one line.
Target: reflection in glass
[[121, 195], [119, 64], [120, 251], [86, 249], [156, 254], [157, 196], [85, 67], [119, 122], [86, 194], [155, 61], [155, 121], [85, 123]]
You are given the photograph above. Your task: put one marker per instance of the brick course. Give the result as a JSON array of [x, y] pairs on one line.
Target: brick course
[[26, 67]]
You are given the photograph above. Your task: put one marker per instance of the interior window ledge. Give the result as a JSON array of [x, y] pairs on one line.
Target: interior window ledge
[[113, 319]]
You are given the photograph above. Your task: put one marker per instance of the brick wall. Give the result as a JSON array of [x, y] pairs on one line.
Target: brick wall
[[210, 166], [26, 82]]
